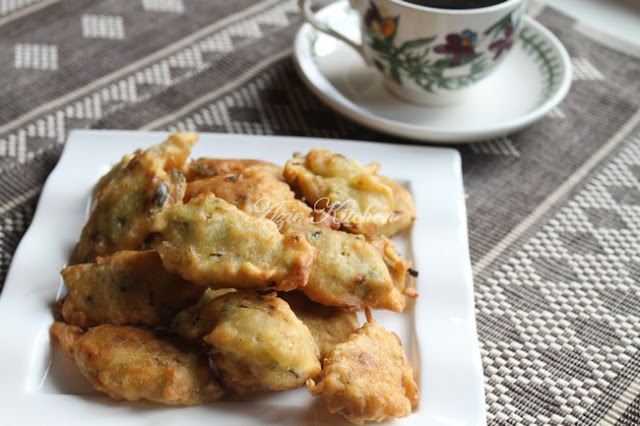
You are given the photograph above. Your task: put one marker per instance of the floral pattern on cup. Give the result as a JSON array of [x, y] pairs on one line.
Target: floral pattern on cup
[[377, 21], [467, 52], [460, 47], [504, 44]]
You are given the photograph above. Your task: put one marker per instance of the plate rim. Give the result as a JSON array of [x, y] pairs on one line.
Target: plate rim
[[49, 206], [315, 80]]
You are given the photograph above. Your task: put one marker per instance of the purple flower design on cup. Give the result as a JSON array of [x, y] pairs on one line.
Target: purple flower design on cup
[[459, 46]]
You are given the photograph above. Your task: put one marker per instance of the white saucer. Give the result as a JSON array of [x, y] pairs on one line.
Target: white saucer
[[529, 83]]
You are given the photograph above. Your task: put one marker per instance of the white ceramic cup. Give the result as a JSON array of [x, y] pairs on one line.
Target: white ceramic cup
[[430, 55]]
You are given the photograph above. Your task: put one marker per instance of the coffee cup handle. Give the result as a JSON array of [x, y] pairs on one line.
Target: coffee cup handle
[[305, 8]]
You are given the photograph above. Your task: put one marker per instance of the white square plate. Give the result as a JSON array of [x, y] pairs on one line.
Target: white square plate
[[40, 386]]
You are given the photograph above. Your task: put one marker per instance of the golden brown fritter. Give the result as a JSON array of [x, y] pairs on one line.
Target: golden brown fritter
[[404, 210], [348, 271], [116, 170], [211, 167], [354, 194], [196, 321], [129, 195], [211, 243], [368, 378], [126, 288], [227, 234], [399, 268], [256, 192], [128, 363], [328, 325], [67, 335], [258, 343]]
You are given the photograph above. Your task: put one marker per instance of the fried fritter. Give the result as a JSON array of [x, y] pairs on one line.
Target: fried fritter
[[196, 321], [67, 335], [335, 278], [128, 363], [212, 243], [328, 325], [211, 167], [257, 192], [368, 378], [348, 271], [399, 268], [112, 174], [130, 194], [126, 288], [354, 194], [258, 343], [404, 210]]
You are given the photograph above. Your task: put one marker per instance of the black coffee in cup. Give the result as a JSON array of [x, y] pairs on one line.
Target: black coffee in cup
[[455, 4]]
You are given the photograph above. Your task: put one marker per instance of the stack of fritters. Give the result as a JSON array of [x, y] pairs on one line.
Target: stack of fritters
[[253, 268]]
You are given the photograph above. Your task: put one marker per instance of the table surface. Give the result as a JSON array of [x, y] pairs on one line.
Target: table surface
[[619, 18], [554, 210]]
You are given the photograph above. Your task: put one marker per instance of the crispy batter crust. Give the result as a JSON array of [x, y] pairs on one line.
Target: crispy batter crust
[[126, 288], [210, 242], [368, 378], [256, 192], [399, 268], [129, 363], [258, 343], [354, 194], [196, 321], [130, 194], [348, 272], [404, 209], [328, 325], [67, 335], [179, 265], [210, 167]]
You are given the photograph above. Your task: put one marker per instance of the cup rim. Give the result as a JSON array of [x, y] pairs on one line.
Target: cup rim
[[445, 11]]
